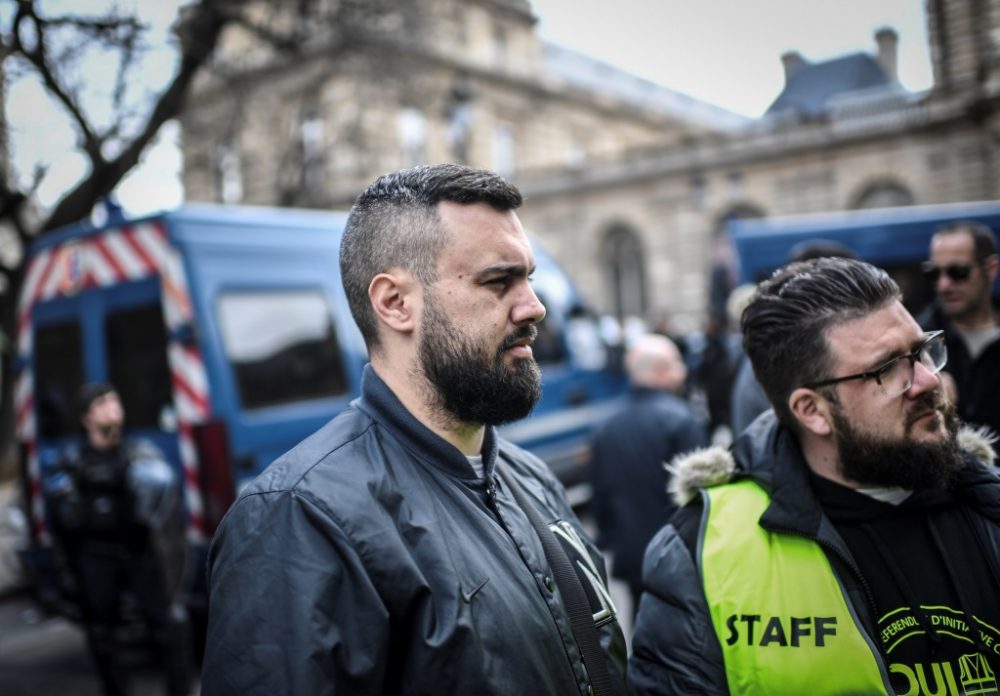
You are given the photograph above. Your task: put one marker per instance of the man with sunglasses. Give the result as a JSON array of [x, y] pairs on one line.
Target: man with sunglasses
[[849, 543], [963, 267]]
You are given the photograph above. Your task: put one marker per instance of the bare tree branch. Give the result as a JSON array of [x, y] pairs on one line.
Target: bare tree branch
[[26, 20], [199, 35], [51, 50]]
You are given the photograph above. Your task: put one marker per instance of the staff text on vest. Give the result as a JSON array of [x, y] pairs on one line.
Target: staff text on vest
[[754, 629]]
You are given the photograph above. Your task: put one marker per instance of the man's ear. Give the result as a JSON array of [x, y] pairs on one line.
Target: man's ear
[[393, 295], [992, 265], [811, 410]]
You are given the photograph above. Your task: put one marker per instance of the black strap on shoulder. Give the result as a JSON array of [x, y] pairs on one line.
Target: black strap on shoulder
[[581, 617]]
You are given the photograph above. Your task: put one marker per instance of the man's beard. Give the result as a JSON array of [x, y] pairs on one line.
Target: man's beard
[[876, 461], [469, 385]]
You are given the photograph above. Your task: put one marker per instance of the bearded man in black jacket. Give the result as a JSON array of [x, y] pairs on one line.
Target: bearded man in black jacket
[[389, 553]]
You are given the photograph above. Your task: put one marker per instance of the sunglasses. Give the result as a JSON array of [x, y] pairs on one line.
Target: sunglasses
[[956, 272]]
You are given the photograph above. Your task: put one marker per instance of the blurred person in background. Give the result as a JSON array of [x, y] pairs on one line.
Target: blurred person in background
[[963, 267], [630, 452], [116, 514], [716, 373]]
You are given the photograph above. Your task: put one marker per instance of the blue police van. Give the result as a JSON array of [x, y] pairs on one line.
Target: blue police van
[[896, 239], [228, 336]]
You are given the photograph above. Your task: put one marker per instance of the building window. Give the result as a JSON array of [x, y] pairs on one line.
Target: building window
[[412, 127], [499, 47], [735, 179], [459, 114], [885, 194], [312, 145], [699, 192], [576, 155], [624, 259], [229, 177], [504, 147]]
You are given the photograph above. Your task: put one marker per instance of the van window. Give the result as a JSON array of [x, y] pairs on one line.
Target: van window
[[58, 373], [137, 363], [282, 346]]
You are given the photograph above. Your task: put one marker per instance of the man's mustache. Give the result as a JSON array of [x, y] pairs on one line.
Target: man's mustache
[[928, 401], [530, 332]]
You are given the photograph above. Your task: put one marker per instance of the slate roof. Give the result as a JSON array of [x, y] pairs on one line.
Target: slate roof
[[588, 73], [810, 88]]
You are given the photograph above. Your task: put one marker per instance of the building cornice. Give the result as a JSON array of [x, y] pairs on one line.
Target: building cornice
[[750, 148]]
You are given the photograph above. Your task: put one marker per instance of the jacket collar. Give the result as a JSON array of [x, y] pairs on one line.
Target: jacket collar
[[381, 404], [770, 454]]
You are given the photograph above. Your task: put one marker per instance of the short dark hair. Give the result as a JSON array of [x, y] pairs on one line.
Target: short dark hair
[[89, 393], [395, 223], [785, 324], [984, 243]]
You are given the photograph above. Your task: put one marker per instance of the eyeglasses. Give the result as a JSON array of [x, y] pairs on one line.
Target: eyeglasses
[[958, 272], [896, 376]]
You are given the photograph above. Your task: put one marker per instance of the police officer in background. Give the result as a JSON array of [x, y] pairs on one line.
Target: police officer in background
[[115, 511], [848, 543]]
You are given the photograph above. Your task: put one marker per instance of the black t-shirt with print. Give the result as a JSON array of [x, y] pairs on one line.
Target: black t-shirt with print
[[937, 604]]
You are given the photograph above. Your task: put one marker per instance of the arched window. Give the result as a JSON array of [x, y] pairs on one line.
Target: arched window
[[884, 194], [412, 127], [228, 172], [626, 271]]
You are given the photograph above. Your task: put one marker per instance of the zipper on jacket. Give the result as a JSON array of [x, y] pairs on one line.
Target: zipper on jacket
[[491, 498]]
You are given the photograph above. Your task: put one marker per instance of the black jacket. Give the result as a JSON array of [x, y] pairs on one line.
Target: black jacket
[[370, 559], [628, 475], [978, 380], [675, 648]]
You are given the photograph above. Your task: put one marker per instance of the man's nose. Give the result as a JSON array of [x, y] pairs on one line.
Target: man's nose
[[923, 380], [528, 309], [944, 282]]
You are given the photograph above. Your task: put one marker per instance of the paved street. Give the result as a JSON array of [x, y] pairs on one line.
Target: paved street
[[43, 656]]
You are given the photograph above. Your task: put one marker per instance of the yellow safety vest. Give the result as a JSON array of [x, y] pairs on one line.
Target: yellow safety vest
[[783, 621]]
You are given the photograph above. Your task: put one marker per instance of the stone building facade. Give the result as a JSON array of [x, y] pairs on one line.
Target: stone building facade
[[629, 184]]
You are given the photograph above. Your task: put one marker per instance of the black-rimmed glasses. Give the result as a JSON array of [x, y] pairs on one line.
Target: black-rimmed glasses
[[896, 376]]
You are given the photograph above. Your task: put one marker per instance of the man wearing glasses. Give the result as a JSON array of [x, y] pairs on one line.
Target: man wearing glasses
[[849, 543], [963, 267]]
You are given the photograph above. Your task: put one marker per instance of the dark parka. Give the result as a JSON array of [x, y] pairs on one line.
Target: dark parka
[[371, 559], [675, 648]]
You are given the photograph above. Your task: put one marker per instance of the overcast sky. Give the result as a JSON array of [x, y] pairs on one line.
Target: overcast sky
[[727, 52]]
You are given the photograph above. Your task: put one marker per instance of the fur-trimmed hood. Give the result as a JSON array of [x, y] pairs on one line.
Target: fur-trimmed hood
[[712, 466]]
